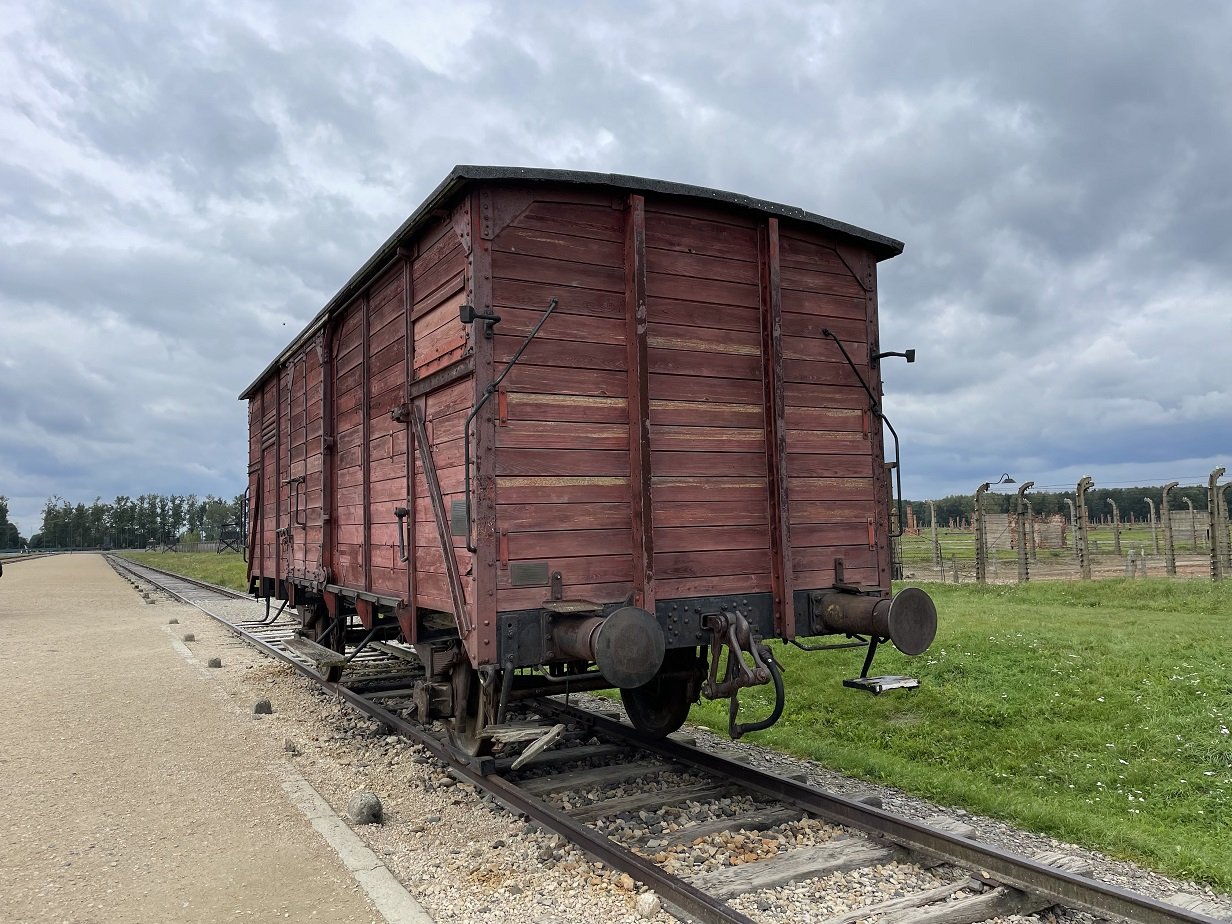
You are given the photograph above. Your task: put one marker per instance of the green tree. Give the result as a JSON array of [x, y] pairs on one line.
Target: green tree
[[10, 538]]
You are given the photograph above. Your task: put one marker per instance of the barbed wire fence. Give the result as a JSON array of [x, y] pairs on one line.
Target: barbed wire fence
[[1020, 546]]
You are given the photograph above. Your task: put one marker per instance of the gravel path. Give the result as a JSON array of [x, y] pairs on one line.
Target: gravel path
[[132, 791], [467, 860]]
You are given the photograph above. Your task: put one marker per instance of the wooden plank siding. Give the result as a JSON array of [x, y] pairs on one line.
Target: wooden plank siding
[[440, 284], [680, 426], [706, 392], [562, 431], [832, 439]]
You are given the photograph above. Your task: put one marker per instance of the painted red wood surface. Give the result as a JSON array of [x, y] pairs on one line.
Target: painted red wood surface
[[628, 448]]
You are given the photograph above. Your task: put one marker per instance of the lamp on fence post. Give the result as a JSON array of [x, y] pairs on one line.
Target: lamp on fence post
[[1084, 549], [1024, 568], [981, 547], [1166, 515]]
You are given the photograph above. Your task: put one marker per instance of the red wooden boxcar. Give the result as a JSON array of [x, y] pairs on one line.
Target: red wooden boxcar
[[583, 430]]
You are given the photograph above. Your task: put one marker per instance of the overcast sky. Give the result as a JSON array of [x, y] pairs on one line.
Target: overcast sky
[[183, 185]]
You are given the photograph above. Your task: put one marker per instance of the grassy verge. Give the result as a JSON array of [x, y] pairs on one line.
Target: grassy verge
[[1095, 712], [1098, 712], [227, 569]]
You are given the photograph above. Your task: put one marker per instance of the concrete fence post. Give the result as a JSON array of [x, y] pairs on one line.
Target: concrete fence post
[[1227, 529], [932, 510], [1024, 569], [981, 547], [1214, 497], [1215, 504], [1193, 524], [1154, 534], [1116, 526], [1166, 515], [1073, 528], [1081, 540], [1031, 546]]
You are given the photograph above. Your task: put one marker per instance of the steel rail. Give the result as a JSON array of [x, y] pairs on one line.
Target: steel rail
[[672, 890], [1007, 867], [1004, 866], [205, 585]]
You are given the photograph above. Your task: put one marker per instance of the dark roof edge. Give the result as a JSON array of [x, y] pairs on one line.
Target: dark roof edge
[[881, 246]]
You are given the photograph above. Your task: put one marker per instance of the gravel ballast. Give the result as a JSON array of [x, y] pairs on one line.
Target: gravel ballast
[[467, 860]]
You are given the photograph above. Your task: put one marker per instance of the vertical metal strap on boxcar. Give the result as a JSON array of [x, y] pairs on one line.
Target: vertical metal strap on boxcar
[[366, 447], [408, 310], [776, 428], [640, 504], [327, 453], [461, 613]]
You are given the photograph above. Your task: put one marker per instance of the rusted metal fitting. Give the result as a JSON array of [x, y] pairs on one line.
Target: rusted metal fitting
[[628, 646], [908, 619]]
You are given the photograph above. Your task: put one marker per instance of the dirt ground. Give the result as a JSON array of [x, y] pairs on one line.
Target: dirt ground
[[133, 792]]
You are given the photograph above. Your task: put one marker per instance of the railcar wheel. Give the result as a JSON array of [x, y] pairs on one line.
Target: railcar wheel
[[661, 706]]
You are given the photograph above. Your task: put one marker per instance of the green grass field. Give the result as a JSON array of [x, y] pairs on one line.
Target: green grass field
[[1098, 712]]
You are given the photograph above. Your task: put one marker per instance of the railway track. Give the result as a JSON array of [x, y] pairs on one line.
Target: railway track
[[648, 807]]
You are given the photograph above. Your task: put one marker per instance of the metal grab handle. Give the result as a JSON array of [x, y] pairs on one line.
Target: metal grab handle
[[401, 513]]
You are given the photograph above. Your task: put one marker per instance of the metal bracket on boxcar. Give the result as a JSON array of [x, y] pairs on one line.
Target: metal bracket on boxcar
[[468, 315], [731, 631], [897, 530]]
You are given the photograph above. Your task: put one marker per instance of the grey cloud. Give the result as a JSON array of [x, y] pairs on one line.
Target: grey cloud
[[1057, 172]]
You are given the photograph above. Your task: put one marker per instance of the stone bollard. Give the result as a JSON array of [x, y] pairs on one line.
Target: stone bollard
[[214, 662], [364, 808]]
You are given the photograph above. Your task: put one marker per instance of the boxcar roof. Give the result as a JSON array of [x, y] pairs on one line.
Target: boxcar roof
[[461, 176]]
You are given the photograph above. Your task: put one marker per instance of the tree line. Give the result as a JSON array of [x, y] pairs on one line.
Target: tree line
[[129, 522], [1129, 501], [10, 538]]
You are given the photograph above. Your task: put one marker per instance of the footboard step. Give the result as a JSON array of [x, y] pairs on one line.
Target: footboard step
[[801, 863], [317, 654], [564, 756], [514, 732], [876, 685], [538, 746]]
